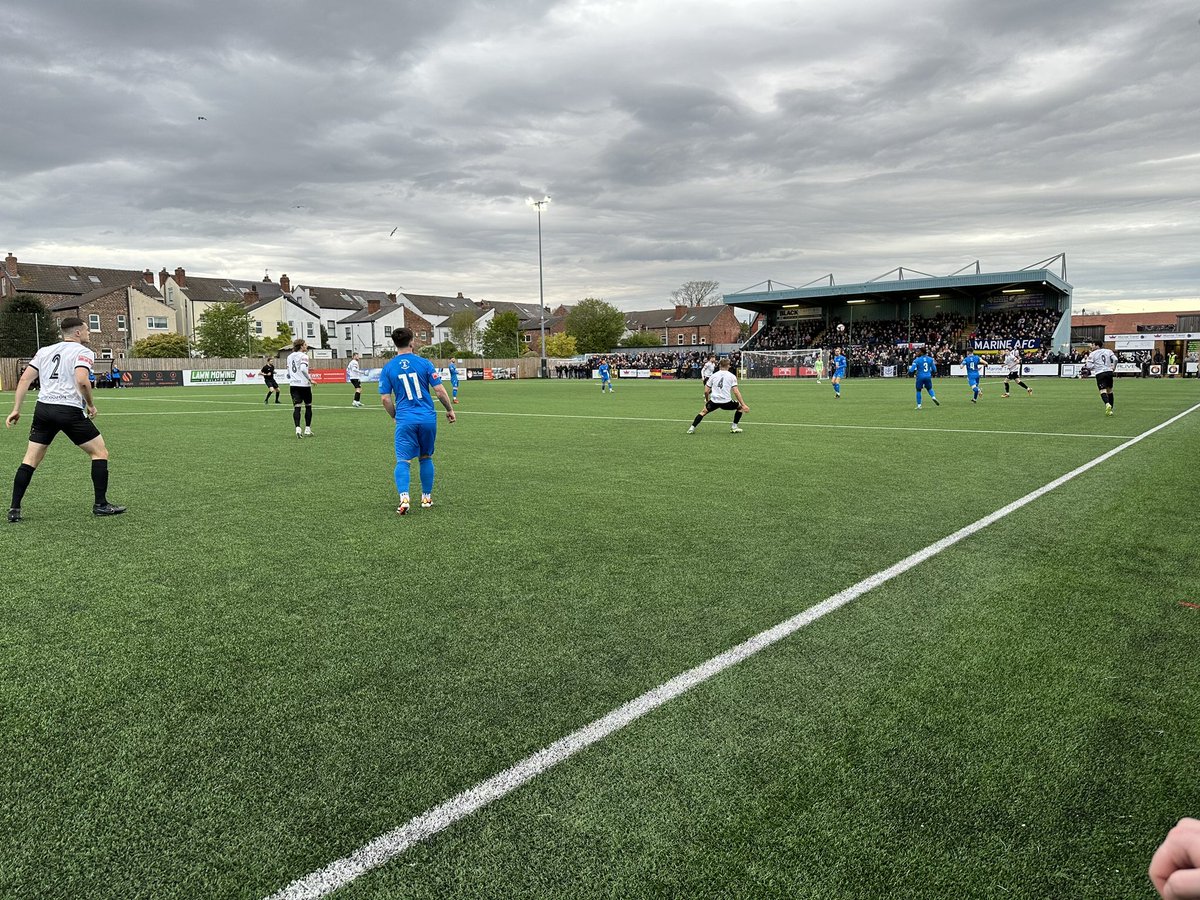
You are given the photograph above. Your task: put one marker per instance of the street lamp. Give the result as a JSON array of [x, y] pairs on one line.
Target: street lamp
[[540, 204]]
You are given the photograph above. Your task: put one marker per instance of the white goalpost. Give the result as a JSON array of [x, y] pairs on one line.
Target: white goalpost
[[810, 363]]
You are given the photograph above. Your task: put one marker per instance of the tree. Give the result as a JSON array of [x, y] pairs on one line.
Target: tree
[[595, 325], [324, 338], [697, 293], [464, 330], [25, 324], [161, 346], [560, 346], [743, 331], [281, 341], [642, 339], [224, 331], [444, 350], [501, 339]]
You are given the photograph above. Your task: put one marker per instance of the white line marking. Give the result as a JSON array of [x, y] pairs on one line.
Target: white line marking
[[1116, 437], [388, 846]]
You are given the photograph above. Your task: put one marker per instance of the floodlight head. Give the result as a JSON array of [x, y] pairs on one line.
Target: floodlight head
[[538, 204]]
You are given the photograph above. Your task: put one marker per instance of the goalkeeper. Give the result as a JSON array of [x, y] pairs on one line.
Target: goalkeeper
[[722, 392]]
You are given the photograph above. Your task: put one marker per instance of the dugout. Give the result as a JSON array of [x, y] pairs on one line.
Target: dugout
[[905, 295]]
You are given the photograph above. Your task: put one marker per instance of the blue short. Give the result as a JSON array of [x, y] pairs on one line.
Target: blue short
[[972, 379], [415, 437], [839, 373], [924, 381]]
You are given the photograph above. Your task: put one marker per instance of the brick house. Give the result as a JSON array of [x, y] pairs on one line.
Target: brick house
[[371, 327], [688, 326]]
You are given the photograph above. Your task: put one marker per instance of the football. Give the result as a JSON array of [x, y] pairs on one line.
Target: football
[[841, 327]]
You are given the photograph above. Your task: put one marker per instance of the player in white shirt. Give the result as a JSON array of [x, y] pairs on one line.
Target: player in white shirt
[[722, 392], [1012, 363], [706, 373], [300, 381], [64, 405], [1102, 363], [354, 376]]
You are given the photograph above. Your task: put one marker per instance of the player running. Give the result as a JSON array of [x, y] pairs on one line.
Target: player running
[[838, 366], [925, 367], [975, 366], [300, 384], [1102, 363], [454, 380], [1012, 362], [605, 377], [710, 366], [268, 374], [64, 404], [354, 376], [407, 386], [722, 392]]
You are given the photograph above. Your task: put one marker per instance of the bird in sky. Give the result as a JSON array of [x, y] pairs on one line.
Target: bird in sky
[[201, 119], [394, 230]]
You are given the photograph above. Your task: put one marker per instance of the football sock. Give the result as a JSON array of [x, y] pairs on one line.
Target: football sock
[[837, 388], [426, 467], [21, 482], [403, 476], [357, 396], [454, 393], [696, 421], [100, 479], [268, 397], [296, 415], [918, 396], [1023, 384], [737, 417], [307, 416]]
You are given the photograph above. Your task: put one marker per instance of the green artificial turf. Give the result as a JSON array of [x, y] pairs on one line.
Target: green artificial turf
[[260, 666]]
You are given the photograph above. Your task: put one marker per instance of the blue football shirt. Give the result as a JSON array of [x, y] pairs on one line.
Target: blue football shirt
[[410, 379]]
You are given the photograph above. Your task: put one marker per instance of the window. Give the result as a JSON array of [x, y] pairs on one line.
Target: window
[[349, 333], [106, 354], [310, 330], [94, 280], [679, 339], [258, 326], [156, 323], [121, 323], [331, 327], [695, 339], [423, 335], [664, 338], [387, 330], [292, 326], [527, 337], [94, 322]]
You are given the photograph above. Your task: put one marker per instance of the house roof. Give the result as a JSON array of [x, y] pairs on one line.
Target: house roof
[[365, 315], [35, 278], [665, 318], [212, 290], [84, 299], [431, 305], [343, 298]]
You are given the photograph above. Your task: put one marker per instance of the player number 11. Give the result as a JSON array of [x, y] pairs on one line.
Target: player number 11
[[413, 391]]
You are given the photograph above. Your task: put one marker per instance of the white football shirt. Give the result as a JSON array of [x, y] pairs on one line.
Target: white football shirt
[[1102, 360], [353, 371], [1012, 359], [297, 366], [56, 367], [706, 372], [721, 386]]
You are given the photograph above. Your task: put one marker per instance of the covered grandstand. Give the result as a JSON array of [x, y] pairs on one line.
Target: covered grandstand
[[904, 310]]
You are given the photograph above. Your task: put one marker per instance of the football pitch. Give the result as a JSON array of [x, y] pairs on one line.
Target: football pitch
[[260, 668]]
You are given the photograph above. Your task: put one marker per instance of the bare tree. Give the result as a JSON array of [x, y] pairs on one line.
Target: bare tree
[[697, 293]]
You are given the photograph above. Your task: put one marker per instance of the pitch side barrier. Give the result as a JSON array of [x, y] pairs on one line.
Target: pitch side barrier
[[229, 377]]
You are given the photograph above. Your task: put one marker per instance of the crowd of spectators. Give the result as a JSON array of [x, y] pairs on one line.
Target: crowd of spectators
[[1016, 323], [786, 335], [677, 365]]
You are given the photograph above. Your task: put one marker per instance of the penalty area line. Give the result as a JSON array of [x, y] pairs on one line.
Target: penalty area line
[[391, 844]]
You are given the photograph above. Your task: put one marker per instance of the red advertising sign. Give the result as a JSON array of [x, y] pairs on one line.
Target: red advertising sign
[[328, 376]]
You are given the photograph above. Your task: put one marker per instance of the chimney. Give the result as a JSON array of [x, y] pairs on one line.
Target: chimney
[[392, 297], [251, 295], [162, 278], [180, 276], [460, 296], [10, 265], [373, 305], [680, 311], [148, 277], [285, 284]]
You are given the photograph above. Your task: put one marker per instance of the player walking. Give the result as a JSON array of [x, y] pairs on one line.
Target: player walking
[[925, 367], [300, 385], [722, 392], [1012, 362], [605, 377], [710, 366], [354, 376], [819, 365], [974, 365], [839, 372], [268, 374], [64, 404], [407, 386], [454, 380], [1102, 363]]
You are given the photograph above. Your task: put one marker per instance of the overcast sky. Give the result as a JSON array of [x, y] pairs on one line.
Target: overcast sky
[[732, 141]]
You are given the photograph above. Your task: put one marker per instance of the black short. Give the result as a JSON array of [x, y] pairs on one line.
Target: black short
[[269, 381], [50, 418], [301, 395], [710, 406], [1104, 381], [1014, 375], [357, 384]]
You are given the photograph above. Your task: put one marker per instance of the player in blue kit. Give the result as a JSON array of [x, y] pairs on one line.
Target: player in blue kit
[[605, 378], [974, 365], [454, 380], [407, 386], [926, 368], [838, 366]]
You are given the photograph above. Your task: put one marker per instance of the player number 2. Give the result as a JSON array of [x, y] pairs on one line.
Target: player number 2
[[413, 391]]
